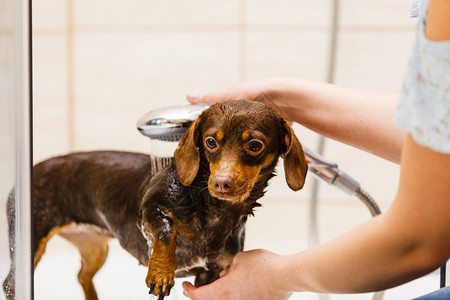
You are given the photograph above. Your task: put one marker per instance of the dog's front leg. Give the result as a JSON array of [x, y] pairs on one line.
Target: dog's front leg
[[162, 262]]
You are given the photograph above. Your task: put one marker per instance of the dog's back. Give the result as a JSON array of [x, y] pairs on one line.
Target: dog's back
[[88, 194]]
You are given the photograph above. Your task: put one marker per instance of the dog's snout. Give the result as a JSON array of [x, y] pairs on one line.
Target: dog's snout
[[223, 184]]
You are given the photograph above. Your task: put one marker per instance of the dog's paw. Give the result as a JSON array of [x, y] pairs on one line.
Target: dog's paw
[[160, 281]]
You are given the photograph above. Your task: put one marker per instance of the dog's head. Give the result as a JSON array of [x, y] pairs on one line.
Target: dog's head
[[242, 141]]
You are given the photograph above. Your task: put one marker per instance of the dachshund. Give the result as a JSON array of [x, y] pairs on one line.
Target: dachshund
[[186, 219]]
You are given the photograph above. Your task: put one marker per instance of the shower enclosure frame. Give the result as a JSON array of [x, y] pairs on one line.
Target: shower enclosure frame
[[23, 149]]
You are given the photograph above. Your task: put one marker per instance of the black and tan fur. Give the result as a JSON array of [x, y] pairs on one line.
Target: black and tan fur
[[187, 219]]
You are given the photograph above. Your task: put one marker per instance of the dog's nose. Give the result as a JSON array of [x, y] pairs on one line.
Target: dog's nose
[[223, 184]]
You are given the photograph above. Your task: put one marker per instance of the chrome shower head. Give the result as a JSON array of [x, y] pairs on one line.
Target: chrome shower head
[[169, 123]]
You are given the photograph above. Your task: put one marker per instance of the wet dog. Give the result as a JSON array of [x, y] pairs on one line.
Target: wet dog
[[187, 219]]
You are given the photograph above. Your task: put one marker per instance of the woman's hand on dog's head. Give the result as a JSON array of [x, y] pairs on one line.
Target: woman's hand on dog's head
[[268, 91]]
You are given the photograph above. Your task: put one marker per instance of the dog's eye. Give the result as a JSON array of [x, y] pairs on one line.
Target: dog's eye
[[210, 142], [255, 147]]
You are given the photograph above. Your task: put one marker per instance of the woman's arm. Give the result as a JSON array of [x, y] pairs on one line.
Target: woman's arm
[[438, 20], [358, 118], [408, 241]]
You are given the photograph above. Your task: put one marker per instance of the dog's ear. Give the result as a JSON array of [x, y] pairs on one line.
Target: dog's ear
[[295, 164], [187, 156]]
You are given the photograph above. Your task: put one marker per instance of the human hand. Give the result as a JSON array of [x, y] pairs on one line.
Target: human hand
[[274, 92], [257, 91], [252, 275]]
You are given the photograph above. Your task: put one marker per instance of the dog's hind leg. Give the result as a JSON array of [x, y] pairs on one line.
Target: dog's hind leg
[[93, 249]]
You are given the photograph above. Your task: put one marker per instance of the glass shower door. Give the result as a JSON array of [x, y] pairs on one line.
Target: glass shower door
[[15, 150]]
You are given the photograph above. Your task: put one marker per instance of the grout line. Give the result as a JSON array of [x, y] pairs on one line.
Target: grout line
[[70, 78], [344, 28], [217, 28]]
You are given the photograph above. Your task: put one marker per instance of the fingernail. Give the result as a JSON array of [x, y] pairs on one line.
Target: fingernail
[[186, 294], [184, 285]]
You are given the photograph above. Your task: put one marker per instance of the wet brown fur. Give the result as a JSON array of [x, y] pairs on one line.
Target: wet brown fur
[[170, 221]]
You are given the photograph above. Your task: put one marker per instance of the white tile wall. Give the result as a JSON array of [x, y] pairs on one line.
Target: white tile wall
[[144, 13], [286, 52], [7, 18], [385, 14], [373, 60], [118, 77], [287, 13], [50, 16], [50, 95]]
